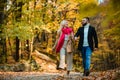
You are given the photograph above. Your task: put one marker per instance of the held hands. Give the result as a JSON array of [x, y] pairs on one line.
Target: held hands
[[75, 38], [95, 49]]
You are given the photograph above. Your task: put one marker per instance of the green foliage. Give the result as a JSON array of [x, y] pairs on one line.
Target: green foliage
[[111, 31], [21, 30], [112, 24], [89, 8], [115, 4]]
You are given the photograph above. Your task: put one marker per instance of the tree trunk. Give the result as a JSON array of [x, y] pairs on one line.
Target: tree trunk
[[10, 44], [2, 5], [17, 49], [4, 53], [31, 48], [27, 45], [18, 14], [2, 40], [20, 50]]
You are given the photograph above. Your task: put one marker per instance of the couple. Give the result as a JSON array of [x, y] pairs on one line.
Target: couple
[[87, 43]]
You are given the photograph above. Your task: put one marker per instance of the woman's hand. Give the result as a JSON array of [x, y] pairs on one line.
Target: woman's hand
[[53, 48]]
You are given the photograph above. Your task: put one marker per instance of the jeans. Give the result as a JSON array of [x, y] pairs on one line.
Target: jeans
[[86, 57]]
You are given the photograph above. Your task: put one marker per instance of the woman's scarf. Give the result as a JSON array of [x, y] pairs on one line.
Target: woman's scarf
[[65, 31]]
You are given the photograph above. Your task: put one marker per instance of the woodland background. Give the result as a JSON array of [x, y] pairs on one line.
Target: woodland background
[[28, 32]]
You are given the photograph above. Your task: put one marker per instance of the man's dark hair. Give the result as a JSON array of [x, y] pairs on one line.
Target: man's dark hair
[[87, 18]]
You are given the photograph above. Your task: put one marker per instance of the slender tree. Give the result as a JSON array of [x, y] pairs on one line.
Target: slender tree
[[18, 14], [3, 39]]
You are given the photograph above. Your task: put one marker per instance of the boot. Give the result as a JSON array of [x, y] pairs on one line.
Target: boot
[[86, 73], [68, 72]]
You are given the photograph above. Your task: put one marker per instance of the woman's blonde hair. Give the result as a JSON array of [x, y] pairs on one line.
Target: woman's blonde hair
[[62, 25]]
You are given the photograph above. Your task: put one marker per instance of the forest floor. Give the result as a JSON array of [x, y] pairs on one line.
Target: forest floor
[[103, 75], [48, 71]]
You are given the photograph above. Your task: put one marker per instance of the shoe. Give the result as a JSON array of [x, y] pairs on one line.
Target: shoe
[[68, 72], [86, 73], [60, 68]]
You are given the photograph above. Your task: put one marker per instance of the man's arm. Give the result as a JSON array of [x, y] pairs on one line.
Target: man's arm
[[77, 34], [95, 38]]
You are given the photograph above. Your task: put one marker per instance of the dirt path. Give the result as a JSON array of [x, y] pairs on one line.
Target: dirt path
[[39, 76], [109, 75]]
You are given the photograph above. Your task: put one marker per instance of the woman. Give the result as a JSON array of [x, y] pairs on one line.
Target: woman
[[63, 36]]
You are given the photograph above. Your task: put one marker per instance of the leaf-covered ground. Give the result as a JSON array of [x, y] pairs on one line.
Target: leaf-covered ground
[[103, 75], [48, 72]]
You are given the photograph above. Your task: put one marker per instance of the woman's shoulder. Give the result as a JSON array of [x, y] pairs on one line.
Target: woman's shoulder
[[71, 28]]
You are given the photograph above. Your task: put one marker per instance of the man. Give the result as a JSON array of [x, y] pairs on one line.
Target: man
[[87, 43]]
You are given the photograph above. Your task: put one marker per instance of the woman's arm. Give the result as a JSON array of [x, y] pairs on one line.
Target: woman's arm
[[72, 35], [57, 38], [71, 38]]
